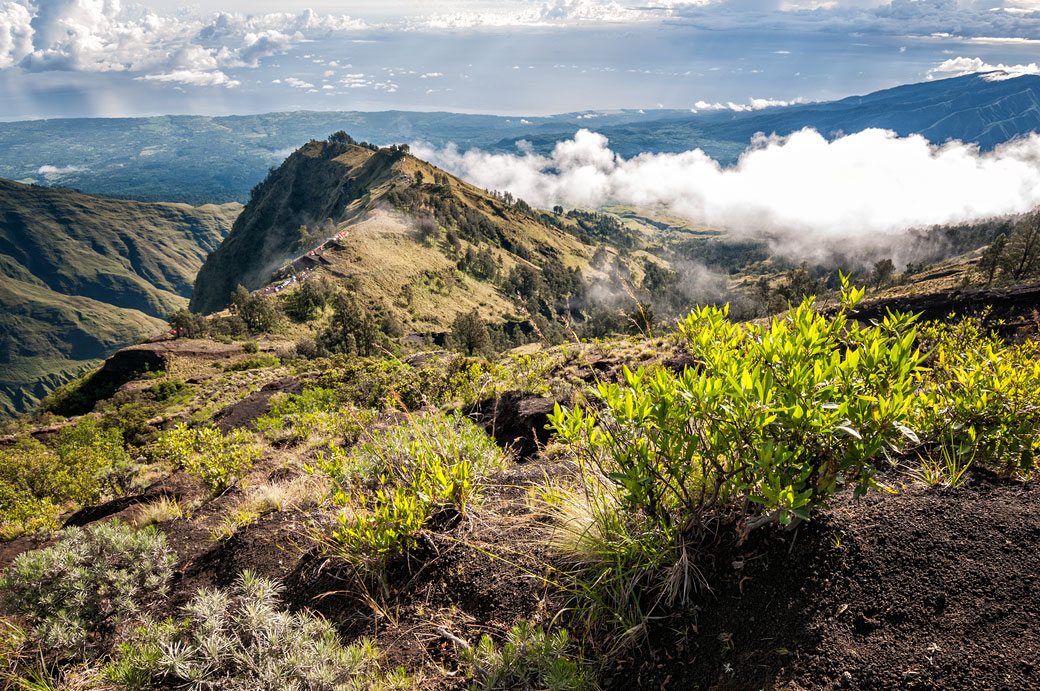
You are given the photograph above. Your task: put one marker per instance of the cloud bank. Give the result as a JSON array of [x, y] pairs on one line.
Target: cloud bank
[[802, 188]]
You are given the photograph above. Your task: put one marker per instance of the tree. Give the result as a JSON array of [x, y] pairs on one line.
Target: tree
[[304, 303], [470, 332], [1021, 254], [187, 324], [557, 209], [882, 272], [341, 137], [258, 314], [352, 329], [991, 258]]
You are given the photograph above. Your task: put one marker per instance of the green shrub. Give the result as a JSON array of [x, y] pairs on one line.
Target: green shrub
[[215, 459], [240, 640], [87, 462], [386, 383], [251, 347], [165, 390], [768, 423], [427, 463], [980, 399], [316, 412], [88, 583], [529, 659]]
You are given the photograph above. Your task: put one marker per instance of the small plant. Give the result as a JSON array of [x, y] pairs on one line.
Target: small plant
[[167, 389], [85, 463], [429, 463], [231, 522], [251, 347], [217, 460], [982, 396], [240, 640], [88, 583], [530, 658], [947, 470], [159, 511], [314, 415]]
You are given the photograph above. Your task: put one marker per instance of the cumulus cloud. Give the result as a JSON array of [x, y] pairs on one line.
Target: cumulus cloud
[[103, 36], [956, 67], [803, 189]]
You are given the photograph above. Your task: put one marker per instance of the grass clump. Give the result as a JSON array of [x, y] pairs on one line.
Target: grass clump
[[159, 511], [429, 463], [87, 584], [529, 658], [215, 459], [241, 639], [763, 429]]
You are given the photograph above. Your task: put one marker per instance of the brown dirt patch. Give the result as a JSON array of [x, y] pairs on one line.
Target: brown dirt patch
[[913, 590]]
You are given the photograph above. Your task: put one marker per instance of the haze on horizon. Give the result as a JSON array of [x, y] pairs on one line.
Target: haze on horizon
[[87, 58]]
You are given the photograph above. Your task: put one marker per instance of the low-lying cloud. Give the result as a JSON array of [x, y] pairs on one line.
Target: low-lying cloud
[[802, 189]]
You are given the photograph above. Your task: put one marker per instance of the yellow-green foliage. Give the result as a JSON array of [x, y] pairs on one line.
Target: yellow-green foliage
[[216, 459], [315, 414], [775, 415], [980, 398], [426, 463], [37, 482], [769, 420]]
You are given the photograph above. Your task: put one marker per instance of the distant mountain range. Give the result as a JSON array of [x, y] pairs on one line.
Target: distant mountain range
[[199, 159]]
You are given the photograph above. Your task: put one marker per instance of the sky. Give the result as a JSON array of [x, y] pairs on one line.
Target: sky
[[88, 58]]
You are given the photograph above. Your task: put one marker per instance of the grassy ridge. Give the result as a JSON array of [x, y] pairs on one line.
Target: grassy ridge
[[84, 276]]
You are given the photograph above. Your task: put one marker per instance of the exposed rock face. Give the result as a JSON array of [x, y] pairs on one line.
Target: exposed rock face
[[516, 420], [124, 366]]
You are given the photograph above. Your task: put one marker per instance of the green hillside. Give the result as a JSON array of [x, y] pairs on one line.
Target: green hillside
[[83, 276]]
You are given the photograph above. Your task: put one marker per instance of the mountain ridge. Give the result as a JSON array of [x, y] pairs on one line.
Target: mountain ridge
[[198, 159]]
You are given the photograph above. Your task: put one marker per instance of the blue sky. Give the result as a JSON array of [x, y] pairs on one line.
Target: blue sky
[[76, 58]]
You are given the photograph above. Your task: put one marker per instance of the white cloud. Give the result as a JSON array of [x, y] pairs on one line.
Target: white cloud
[[15, 33], [102, 36], [556, 12], [297, 83], [193, 78], [803, 188], [51, 172], [752, 104], [955, 67]]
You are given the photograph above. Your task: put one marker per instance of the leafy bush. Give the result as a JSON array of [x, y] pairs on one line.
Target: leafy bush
[[217, 460], [766, 425], [88, 583], [87, 462], [386, 383], [530, 658], [316, 412], [980, 398], [428, 463], [165, 390], [251, 347], [240, 639]]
